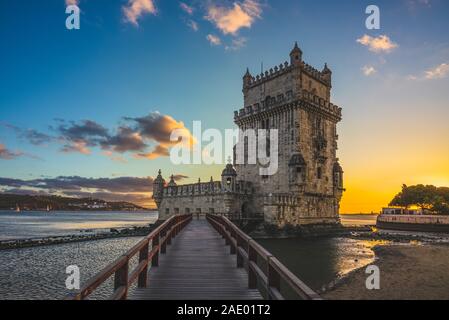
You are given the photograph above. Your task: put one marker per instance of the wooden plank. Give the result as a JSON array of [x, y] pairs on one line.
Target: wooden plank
[[197, 266]]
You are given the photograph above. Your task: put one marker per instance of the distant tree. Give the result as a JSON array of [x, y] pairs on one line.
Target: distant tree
[[426, 197]]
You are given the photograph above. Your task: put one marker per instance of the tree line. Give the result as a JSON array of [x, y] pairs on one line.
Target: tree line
[[427, 197]]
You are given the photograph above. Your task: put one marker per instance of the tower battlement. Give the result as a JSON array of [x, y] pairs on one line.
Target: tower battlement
[[287, 82], [283, 68]]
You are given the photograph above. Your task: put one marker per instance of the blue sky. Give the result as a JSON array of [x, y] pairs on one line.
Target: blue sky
[[394, 127]]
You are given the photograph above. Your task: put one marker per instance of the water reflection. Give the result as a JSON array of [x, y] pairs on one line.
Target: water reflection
[[320, 261]]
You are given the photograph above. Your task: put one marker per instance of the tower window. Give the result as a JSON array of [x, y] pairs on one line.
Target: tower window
[[319, 173], [268, 147]]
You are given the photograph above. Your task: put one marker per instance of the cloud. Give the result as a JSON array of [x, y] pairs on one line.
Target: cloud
[[6, 154], [193, 25], [78, 137], [412, 77], [66, 183], [137, 8], [114, 157], [158, 151], [178, 177], [159, 127], [213, 40], [76, 146], [236, 44], [32, 136], [438, 72], [368, 70], [125, 140], [136, 136], [131, 189], [186, 8], [230, 20], [85, 130], [71, 2], [378, 44]]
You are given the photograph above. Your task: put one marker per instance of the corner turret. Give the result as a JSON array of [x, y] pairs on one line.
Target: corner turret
[[327, 74], [296, 55], [158, 189], [228, 178], [247, 79]]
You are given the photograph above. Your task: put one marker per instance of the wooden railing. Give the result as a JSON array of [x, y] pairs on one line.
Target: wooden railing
[[264, 270], [159, 239]]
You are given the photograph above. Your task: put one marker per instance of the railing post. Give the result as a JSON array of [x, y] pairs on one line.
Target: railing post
[[163, 241], [274, 280], [143, 276], [252, 257], [233, 247], [221, 229], [121, 278], [240, 262], [225, 232], [173, 228], [169, 232], [155, 259]]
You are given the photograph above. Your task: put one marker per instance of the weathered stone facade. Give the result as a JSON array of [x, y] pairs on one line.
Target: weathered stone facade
[[293, 98]]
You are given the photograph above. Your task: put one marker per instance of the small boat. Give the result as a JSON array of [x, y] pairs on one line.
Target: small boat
[[17, 208]]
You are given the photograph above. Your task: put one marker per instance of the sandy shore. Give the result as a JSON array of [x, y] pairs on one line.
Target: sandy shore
[[406, 272]]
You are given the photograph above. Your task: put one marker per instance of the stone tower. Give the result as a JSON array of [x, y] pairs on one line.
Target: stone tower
[[158, 189], [294, 98]]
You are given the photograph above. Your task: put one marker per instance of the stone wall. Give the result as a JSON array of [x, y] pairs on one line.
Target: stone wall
[[218, 203]]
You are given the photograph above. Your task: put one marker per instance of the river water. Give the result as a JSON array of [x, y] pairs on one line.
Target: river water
[[38, 224], [39, 272]]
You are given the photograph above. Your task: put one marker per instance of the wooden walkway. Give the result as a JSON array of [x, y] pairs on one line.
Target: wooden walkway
[[197, 266]]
